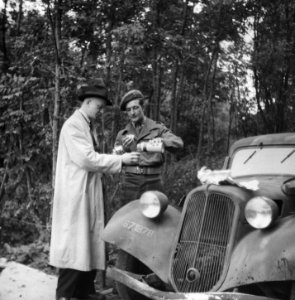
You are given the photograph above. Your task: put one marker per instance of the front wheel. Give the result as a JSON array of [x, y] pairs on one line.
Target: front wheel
[[127, 262]]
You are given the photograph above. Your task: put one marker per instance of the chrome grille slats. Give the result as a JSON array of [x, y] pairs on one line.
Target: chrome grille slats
[[203, 241], [193, 213]]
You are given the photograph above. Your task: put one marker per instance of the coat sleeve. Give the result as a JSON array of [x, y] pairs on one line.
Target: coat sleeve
[[171, 142], [82, 153]]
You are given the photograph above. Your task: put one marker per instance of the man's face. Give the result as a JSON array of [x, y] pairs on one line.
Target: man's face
[[134, 111], [95, 106]]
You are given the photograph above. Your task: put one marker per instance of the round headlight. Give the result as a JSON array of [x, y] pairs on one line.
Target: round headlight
[[261, 212], [153, 204]]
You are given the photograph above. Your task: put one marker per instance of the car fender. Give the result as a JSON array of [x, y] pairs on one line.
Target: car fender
[[264, 255], [149, 240]]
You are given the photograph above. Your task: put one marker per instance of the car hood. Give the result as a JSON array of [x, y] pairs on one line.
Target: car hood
[[267, 185]]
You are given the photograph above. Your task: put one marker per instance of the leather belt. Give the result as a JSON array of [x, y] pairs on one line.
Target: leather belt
[[142, 170]]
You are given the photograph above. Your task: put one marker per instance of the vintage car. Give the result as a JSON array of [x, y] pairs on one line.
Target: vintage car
[[232, 237]]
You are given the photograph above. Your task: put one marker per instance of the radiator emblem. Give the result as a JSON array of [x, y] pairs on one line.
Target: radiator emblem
[[192, 275]]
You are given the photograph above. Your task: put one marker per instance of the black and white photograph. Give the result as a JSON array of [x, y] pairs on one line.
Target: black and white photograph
[[147, 150]]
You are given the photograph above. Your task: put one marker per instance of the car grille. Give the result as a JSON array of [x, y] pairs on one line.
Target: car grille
[[203, 245]]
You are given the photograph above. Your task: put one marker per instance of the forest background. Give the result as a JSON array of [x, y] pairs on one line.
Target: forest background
[[213, 71]]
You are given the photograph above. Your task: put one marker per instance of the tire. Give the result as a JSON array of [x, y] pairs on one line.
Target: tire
[[129, 263]]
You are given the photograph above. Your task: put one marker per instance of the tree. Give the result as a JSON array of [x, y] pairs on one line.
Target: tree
[[55, 16], [4, 60], [187, 57], [273, 63]]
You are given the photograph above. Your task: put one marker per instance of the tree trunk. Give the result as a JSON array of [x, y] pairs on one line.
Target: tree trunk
[[205, 98], [2, 186], [4, 61], [154, 112], [155, 103], [55, 124], [56, 35], [157, 89], [57, 100], [211, 117], [230, 117], [173, 105], [116, 110], [117, 114], [108, 53], [179, 66], [19, 16]]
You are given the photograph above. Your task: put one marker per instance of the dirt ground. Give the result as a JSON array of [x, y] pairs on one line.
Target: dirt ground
[[18, 281]]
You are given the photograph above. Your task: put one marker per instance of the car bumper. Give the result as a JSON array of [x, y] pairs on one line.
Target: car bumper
[[130, 280]]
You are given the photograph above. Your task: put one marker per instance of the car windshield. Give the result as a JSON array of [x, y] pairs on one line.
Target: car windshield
[[266, 160]]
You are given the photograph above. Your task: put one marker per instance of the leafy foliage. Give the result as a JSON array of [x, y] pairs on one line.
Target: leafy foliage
[[190, 58], [273, 63]]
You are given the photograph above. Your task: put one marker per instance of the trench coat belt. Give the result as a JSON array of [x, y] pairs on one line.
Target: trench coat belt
[[142, 170]]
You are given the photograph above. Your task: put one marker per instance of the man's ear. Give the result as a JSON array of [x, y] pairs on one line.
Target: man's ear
[[88, 100]]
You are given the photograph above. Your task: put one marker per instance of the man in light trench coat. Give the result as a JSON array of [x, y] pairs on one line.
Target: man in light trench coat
[[78, 212]]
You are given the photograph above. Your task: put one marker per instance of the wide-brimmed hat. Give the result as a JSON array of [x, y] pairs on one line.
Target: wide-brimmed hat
[[130, 96], [94, 88]]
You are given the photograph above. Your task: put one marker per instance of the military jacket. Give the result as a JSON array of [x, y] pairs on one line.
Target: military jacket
[[150, 130]]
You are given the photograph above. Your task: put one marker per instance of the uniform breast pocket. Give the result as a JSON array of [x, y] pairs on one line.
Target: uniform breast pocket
[[154, 134]]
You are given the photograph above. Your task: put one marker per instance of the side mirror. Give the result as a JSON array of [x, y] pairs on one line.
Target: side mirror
[[288, 187]]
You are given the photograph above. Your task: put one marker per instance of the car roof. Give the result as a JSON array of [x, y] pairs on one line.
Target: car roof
[[287, 138]]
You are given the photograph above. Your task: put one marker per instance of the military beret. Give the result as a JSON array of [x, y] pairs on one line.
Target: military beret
[[130, 96], [94, 88]]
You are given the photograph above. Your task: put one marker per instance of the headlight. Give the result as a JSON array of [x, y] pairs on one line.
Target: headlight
[[261, 212], [153, 204]]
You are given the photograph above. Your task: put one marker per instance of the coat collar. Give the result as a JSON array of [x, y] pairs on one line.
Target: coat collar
[[84, 115], [84, 119]]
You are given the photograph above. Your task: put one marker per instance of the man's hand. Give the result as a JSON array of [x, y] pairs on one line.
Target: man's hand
[[130, 158], [118, 150], [128, 140]]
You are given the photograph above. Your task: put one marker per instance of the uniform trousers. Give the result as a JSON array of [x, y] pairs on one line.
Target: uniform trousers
[[133, 185], [75, 284]]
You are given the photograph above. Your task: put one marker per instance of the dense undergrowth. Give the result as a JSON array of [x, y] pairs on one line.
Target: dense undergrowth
[[27, 242]]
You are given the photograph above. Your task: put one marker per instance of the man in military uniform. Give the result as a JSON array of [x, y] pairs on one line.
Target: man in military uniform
[[146, 175]]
